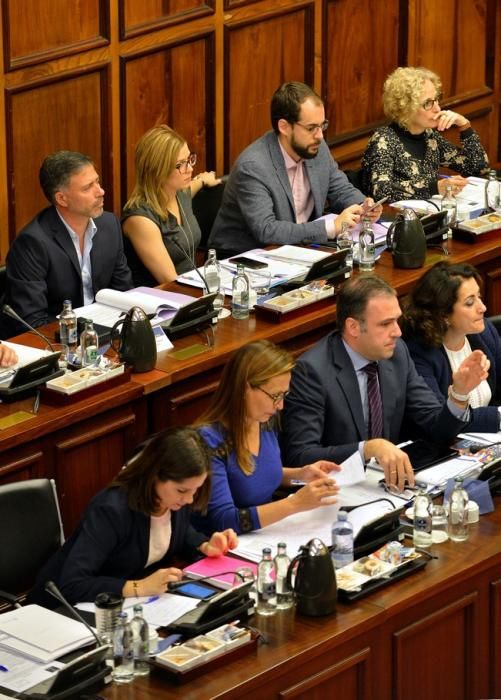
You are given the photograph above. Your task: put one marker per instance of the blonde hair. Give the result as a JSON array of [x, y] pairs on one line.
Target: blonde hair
[[402, 92], [252, 365], [157, 152]]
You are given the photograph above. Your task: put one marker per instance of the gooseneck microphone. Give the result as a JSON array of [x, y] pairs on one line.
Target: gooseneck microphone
[[54, 591], [9, 311], [175, 240]]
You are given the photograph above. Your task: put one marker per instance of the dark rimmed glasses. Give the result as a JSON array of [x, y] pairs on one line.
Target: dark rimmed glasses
[[428, 104], [311, 128], [276, 398], [189, 162]]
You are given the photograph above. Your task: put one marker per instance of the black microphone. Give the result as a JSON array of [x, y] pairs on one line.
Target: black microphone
[[54, 591], [175, 240], [9, 311], [174, 585]]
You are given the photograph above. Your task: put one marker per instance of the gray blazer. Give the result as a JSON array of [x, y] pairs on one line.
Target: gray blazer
[[258, 206], [323, 415]]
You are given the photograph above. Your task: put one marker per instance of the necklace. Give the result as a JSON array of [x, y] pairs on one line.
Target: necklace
[[190, 241]]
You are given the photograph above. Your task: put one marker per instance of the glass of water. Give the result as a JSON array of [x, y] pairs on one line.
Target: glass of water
[[344, 241], [260, 281]]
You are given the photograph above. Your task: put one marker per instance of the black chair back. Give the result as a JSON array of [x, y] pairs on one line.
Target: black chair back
[[206, 205], [30, 524]]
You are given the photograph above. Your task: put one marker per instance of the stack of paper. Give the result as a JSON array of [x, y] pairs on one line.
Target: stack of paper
[[41, 634]]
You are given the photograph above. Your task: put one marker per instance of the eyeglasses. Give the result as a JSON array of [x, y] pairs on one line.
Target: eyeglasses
[[276, 398], [311, 128], [183, 165], [428, 104]]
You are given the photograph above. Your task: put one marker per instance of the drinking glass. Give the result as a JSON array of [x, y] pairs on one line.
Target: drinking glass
[[438, 524], [244, 574], [260, 281], [63, 349]]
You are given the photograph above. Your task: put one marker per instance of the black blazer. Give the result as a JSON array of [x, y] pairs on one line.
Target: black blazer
[[433, 365], [43, 268], [323, 415], [110, 547]]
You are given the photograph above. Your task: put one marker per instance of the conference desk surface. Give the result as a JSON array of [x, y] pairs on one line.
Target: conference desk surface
[[434, 634]]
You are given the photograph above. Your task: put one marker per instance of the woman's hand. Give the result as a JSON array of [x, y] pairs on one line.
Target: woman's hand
[[455, 181], [311, 495], [220, 543], [317, 470], [7, 356], [473, 370], [447, 118], [155, 584]]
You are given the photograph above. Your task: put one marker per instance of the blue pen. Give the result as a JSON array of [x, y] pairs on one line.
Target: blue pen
[[298, 482], [3, 668], [152, 599]]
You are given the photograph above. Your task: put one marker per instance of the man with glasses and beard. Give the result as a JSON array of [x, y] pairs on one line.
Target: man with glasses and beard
[[280, 184]]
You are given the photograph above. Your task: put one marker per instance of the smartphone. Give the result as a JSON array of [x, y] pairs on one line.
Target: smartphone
[[376, 204], [248, 262], [196, 590]]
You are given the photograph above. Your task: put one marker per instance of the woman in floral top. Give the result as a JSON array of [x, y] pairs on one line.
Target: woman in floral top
[[402, 159]]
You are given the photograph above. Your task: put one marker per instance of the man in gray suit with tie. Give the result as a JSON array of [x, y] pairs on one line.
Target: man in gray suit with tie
[[70, 250], [358, 389], [281, 183]]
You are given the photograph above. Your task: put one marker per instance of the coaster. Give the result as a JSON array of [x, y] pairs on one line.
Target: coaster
[[224, 313], [190, 351], [14, 419]]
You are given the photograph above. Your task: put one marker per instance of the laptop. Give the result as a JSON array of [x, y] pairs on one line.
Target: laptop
[[327, 268], [29, 376]]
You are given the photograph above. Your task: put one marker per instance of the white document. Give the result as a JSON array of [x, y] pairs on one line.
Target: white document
[[23, 673], [352, 471], [297, 254], [158, 611], [25, 354], [41, 634], [110, 304], [441, 473]]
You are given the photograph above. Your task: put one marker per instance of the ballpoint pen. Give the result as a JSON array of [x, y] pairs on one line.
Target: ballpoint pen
[[36, 403]]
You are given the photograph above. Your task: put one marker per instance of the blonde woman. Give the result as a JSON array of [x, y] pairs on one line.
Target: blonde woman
[[161, 233], [241, 426], [402, 159]]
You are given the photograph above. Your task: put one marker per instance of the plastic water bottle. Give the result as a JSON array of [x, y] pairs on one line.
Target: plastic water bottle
[[141, 639], [285, 597], [493, 193], [123, 650], [68, 326], [266, 589], [344, 241], [458, 512], [342, 540], [366, 247], [240, 291], [422, 520], [212, 276], [450, 206], [89, 344]]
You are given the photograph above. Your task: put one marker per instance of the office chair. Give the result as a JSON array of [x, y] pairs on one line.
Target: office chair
[[30, 521], [355, 178], [206, 205], [496, 322]]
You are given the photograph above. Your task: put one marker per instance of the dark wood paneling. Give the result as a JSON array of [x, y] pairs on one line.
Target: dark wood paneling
[[495, 645], [356, 64], [450, 632], [87, 459], [175, 86], [20, 466], [36, 31], [259, 55], [145, 16], [65, 112]]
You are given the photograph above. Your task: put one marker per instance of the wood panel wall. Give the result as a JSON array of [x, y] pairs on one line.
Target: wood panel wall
[[93, 75]]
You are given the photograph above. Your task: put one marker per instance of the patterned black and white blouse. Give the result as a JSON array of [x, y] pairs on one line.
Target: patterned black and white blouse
[[402, 165]]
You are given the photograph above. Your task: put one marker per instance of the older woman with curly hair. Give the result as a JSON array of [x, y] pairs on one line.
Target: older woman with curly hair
[[443, 322], [402, 158]]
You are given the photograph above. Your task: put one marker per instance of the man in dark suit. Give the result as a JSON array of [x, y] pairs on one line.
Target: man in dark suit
[[335, 408], [70, 250], [280, 184]]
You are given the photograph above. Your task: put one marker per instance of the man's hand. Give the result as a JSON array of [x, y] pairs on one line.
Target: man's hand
[[7, 356], [396, 464], [473, 370], [350, 215]]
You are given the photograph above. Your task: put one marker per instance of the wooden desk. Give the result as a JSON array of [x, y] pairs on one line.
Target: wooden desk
[[436, 634], [84, 444]]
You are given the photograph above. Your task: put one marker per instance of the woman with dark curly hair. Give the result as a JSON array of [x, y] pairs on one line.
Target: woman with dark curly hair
[[442, 323], [402, 158]]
